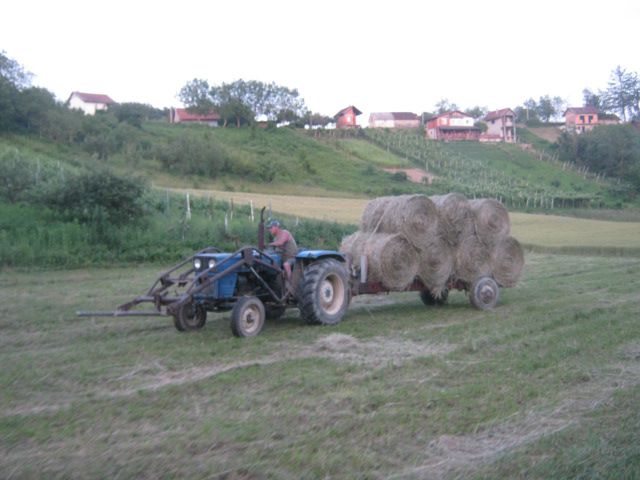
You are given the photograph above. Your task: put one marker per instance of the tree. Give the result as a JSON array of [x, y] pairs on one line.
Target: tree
[[476, 112], [444, 105], [530, 110], [559, 105], [12, 72], [613, 150], [592, 99], [242, 100], [195, 95], [546, 110], [623, 93]]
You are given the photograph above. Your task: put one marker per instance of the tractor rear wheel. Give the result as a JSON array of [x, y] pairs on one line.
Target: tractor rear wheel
[[484, 293], [190, 317], [324, 292], [247, 317]]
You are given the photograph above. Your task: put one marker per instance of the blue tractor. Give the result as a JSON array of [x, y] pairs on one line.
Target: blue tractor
[[250, 283]]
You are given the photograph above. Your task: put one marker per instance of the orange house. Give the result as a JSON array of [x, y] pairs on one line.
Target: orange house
[[346, 118], [452, 126], [581, 119]]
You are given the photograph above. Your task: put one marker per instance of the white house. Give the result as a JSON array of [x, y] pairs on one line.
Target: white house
[[89, 103]]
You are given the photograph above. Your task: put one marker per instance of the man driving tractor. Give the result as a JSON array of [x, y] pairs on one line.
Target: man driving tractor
[[284, 243]]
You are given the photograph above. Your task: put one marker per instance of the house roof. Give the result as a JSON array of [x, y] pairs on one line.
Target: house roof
[[93, 98], [187, 116], [394, 116], [346, 110], [452, 113], [581, 110], [499, 114]]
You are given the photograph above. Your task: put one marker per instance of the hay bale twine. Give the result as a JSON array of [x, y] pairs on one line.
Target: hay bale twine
[[392, 260], [415, 216], [507, 262], [456, 216], [491, 220], [372, 214], [473, 259], [437, 262]]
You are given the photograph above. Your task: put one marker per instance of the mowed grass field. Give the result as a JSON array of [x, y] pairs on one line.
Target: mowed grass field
[[547, 385], [545, 231]]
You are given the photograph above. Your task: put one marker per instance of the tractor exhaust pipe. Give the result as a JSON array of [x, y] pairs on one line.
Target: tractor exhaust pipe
[[261, 230]]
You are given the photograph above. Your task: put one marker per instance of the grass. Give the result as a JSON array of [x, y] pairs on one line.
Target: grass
[[544, 386]]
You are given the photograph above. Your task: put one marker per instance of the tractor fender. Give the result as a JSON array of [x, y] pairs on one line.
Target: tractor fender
[[308, 256]]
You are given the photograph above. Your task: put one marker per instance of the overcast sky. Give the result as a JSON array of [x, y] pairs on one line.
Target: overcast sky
[[392, 55]]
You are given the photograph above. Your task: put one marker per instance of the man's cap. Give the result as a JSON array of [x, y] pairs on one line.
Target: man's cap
[[273, 223]]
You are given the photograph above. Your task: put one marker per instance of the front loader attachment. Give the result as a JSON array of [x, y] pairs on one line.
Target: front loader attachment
[[169, 288], [179, 285]]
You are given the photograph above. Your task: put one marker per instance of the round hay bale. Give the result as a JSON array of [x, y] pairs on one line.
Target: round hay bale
[[372, 214], [491, 220], [456, 216], [437, 263], [355, 245], [392, 260], [415, 216], [473, 259], [507, 262]]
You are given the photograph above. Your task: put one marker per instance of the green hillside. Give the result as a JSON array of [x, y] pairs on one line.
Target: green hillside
[[327, 164]]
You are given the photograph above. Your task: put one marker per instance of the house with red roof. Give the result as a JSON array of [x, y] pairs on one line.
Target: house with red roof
[[346, 118], [452, 126], [89, 103], [394, 120], [580, 119], [183, 115], [501, 126]]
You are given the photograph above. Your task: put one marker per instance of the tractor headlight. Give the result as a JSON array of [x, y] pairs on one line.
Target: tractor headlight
[[212, 263], [197, 263]]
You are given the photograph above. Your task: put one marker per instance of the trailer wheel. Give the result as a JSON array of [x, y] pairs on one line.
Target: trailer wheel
[[324, 292], [190, 317], [429, 300], [484, 293], [247, 317]]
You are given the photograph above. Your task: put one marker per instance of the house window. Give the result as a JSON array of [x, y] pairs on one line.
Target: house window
[[590, 118], [581, 118]]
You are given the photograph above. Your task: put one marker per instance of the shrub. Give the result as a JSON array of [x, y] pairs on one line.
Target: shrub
[[99, 197], [16, 176]]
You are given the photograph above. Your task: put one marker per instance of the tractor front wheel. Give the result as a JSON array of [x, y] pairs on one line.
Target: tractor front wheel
[[247, 317], [324, 292], [190, 317], [484, 293]]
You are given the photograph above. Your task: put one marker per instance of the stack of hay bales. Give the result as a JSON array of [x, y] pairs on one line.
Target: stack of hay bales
[[436, 239]]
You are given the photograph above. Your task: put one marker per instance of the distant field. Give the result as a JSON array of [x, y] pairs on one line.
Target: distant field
[[532, 229]]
